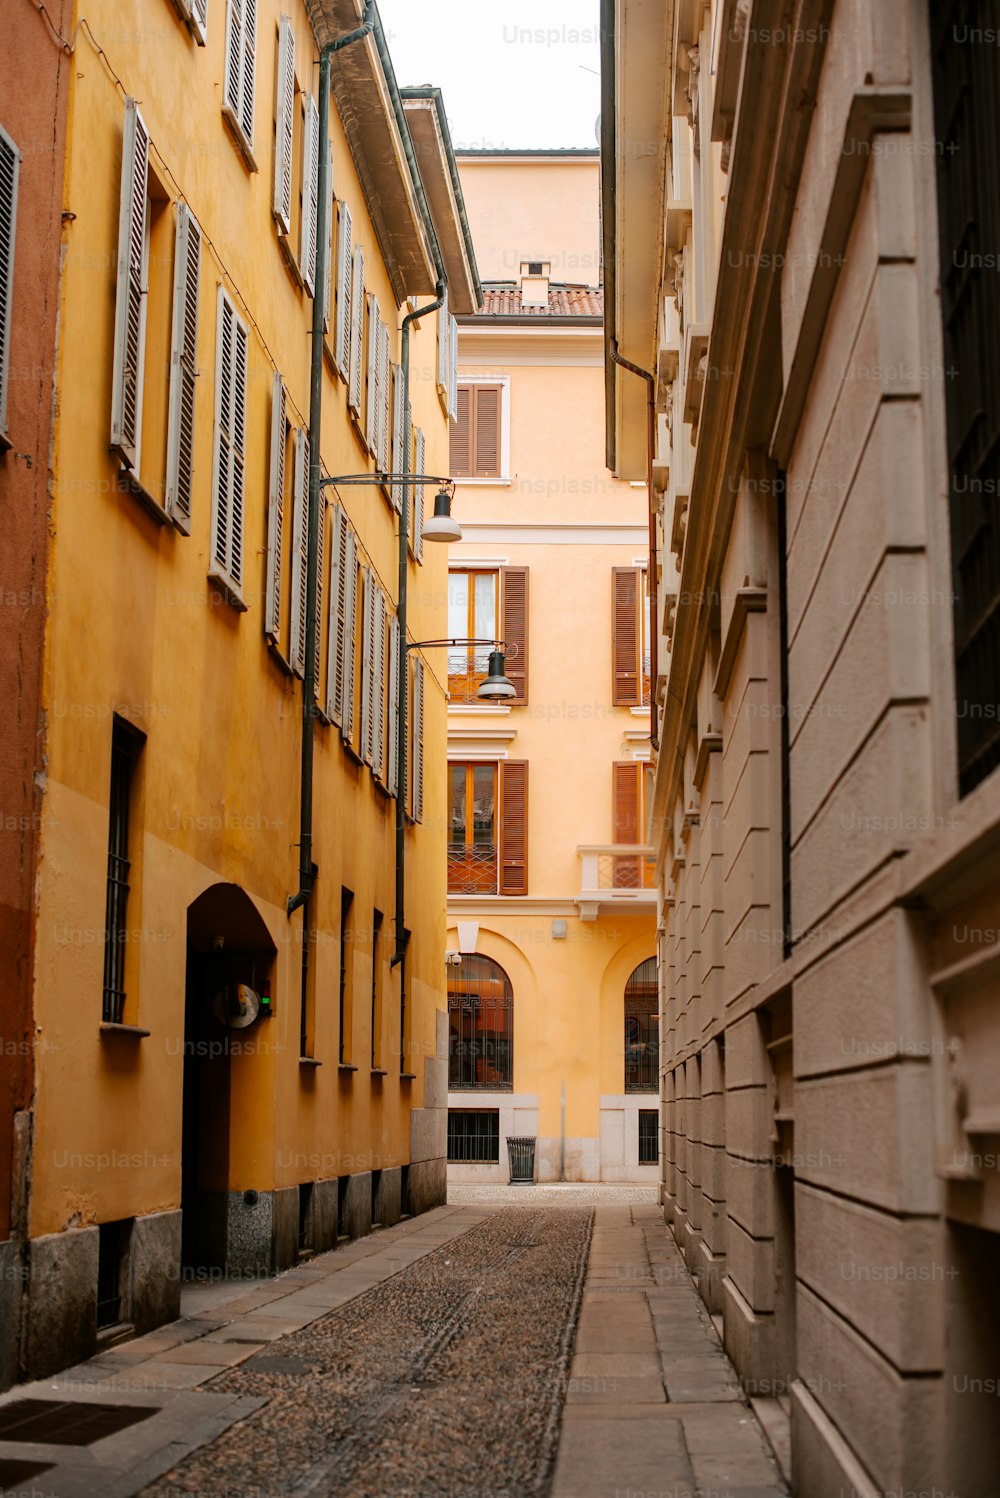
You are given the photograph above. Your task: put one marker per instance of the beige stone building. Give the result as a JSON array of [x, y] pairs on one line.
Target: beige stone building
[[801, 220]]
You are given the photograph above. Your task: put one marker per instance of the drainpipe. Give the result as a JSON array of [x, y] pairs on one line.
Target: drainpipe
[[306, 867], [654, 623]]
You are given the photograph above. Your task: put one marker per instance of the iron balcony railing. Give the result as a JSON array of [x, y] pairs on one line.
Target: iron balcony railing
[[472, 871]]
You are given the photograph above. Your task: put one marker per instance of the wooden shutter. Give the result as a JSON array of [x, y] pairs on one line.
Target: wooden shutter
[[10, 164], [452, 367], [131, 298], [367, 638], [417, 755], [354, 388], [372, 370], [229, 454], [627, 809], [344, 266], [275, 512], [460, 453], [281, 205], [183, 370], [335, 649], [442, 346], [310, 193], [514, 627], [392, 748], [241, 51], [487, 431], [514, 827], [627, 589], [418, 498], [300, 553], [350, 624]]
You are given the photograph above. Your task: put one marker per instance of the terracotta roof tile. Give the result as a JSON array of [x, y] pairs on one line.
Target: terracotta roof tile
[[503, 299]]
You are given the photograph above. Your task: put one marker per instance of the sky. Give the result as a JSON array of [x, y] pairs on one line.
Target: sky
[[518, 73]]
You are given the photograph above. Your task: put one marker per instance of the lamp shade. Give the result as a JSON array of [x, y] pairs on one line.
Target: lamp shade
[[441, 526], [496, 686]]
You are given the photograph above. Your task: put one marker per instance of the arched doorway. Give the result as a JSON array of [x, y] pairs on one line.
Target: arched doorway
[[228, 944]]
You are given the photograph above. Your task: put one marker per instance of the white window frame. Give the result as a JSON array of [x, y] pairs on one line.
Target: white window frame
[[223, 572], [504, 475], [345, 267], [195, 13], [182, 400], [239, 89], [310, 193], [8, 223], [281, 203], [356, 382]]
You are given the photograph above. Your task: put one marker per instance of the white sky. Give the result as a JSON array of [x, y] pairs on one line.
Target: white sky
[[513, 73]]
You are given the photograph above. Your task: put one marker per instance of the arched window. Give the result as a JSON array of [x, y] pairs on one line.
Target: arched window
[[642, 1031], [480, 1026]]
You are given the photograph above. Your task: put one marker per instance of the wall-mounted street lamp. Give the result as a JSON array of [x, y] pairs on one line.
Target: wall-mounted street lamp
[[495, 685], [441, 526]]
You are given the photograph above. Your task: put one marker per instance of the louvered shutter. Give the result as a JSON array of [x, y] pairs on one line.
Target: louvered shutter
[[354, 388], [335, 647], [310, 191], [328, 272], [284, 127], [131, 298], [379, 684], [627, 685], [350, 623], [320, 565], [453, 367], [460, 451], [10, 164], [367, 634], [183, 370], [384, 457], [399, 459], [442, 346], [626, 802], [487, 431], [344, 267], [300, 553], [229, 454], [199, 20], [514, 827], [514, 627], [418, 499], [373, 369], [241, 53], [275, 511], [417, 756], [392, 748]]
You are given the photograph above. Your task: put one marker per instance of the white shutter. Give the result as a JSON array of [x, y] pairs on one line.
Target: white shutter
[[373, 365], [199, 20], [350, 623], [399, 451], [392, 750], [183, 370], [382, 456], [300, 553], [229, 448], [417, 752], [354, 390], [310, 189], [10, 163], [320, 564], [131, 298], [328, 273], [378, 684], [281, 206], [343, 333], [442, 348], [367, 634], [241, 58], [275, 511], [453, 368], [335, 627], [418, 499]]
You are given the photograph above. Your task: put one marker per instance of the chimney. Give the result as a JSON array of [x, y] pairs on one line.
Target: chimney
[[535, 284]]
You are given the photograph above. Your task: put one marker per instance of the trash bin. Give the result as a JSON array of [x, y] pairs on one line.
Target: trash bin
[[521, 1152]]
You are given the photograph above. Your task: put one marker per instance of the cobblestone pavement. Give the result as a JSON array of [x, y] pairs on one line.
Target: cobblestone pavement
[[491, 1349]]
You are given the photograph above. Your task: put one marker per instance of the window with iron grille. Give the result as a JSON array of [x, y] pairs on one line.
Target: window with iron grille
[[642, 1036], [967, 132], [125, 744], [649, 1143], [480, 1025], [114, 1239], [474, 1137]]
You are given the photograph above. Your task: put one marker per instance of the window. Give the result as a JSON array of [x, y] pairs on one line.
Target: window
[[195, 13], [377, 412], [417, 496], [357, 310], [642, 1035], [376, 1016], [125, 745], [276, 510], [477, 436], [343, 611], [374, 675], [229, 451], [114, 1241], [480, 1025], [345, 255], [631, 636], [487, 604], [649, 1138], [416, 756], [183, 370], [967, 113], [631, 797], [345, 982], [309, 203], [488, 828], [241, 59], [474, 1136], [284, 132], [10, 163]]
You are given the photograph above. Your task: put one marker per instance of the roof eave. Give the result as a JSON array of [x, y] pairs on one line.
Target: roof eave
[[431, 138]]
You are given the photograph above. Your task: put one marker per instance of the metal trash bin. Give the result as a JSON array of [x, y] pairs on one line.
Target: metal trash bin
[[521, 1153]]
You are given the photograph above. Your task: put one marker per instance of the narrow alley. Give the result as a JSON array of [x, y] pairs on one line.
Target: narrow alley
[[544, 1343]]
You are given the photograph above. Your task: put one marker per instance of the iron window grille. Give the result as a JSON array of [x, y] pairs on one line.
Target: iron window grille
[[474, 1136], [480, 1026], [649, 1139], [113, 1244], [642, 1036], [124, 746]]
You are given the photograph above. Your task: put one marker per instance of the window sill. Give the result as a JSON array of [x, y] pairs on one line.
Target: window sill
[[125, 1032], [352, 753], [132, 485], [346, 1066], [244, 146], [308, 1061], [227, 588], [5, 442], [496, 480], [407, 1076], [379, 1071], [278, 656]]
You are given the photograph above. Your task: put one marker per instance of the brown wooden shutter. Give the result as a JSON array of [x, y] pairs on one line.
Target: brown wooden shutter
[[627, 804], [514, 627], [514, 827], [627, 583], [487, 426], [460, 459]]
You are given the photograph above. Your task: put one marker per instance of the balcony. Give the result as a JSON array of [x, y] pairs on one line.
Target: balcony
[[615, 877], [472, 871]]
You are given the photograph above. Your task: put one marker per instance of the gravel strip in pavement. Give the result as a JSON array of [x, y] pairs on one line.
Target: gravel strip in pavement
[[446, 1381]]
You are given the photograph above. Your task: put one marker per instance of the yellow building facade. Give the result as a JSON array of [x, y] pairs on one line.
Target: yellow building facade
[[254, 1084], [551, 905]]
